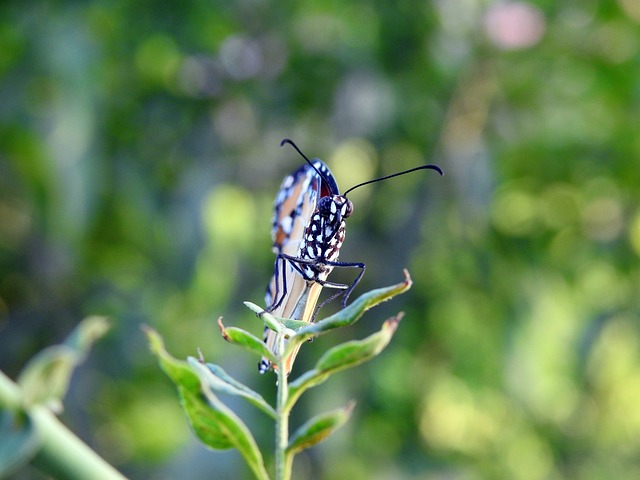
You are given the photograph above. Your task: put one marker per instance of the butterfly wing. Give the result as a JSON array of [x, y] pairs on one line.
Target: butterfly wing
[[293, 207], [295, 203]]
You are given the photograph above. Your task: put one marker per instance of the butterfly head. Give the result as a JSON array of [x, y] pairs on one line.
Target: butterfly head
[[335, 208]]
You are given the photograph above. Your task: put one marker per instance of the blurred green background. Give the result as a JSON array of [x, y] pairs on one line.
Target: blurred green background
[[139, 159]]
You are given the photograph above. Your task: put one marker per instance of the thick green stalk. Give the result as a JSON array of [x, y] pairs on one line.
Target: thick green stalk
[[284, 460], [62, 454]]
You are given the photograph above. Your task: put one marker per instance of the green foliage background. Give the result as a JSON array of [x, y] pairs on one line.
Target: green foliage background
[[139, 159]]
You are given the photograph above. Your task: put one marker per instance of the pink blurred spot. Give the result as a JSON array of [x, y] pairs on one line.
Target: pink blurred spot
[[516, 25]]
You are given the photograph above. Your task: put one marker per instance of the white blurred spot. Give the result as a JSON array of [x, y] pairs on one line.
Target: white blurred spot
[[241, 57], [200, 76], [363, 104], [274, 52], [235, 122]]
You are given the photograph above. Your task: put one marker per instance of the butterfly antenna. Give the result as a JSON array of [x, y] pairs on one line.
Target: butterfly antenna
[[290, 142], [421, 167]]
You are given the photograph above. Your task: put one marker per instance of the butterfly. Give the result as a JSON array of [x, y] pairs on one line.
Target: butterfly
[[308, 230]]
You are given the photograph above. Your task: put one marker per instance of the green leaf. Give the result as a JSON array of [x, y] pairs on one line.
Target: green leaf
[[214, 423], [340, 357], [220, 381], [19, 441], [87, 333], [268, 319], [348, 315], [291, 324], [273, 322], [45, 379], [204, 424], [236, 431], [246, 340], [318, 428], [257, 309], [177, 370], [355, 352]]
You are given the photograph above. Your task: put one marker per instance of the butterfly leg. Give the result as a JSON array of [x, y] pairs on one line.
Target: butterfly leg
[[297, 262], [353, 285], [278, 273], [341, 286]]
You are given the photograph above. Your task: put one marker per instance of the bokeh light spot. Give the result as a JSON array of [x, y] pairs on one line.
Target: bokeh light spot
[[603, 219], [514, 212], [354, 161], [364, 103], [158, 58], [228, 215], [241, 57], [631, 8], [235, 122], [200, 76], [560, 206], [528, 458], [513, 26], [617, 42]]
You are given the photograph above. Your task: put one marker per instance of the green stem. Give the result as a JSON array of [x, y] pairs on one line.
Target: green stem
[[61, 454], [283, 459], [10, 393], [64, 455]]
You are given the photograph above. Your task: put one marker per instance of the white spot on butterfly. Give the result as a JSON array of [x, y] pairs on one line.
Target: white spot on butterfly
[[287, 224]]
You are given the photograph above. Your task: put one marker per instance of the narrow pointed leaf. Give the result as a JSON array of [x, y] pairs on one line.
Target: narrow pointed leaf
[[348, 315], [352, 313], [257, 309], [246, 340], [273, 322], [87, 333], [318, 428], [268, 319], [216, 425], [19, 441], [234, 428], [345, 355], [45, 379], [292, 324], [202, 420], [355, 352], [220, 381]]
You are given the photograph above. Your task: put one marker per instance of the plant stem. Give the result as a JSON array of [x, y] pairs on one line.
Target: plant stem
[[283, 459], [64, 455], [61, 454]]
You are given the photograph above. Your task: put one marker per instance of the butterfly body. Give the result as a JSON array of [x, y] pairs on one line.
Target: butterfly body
[[323, 238]]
